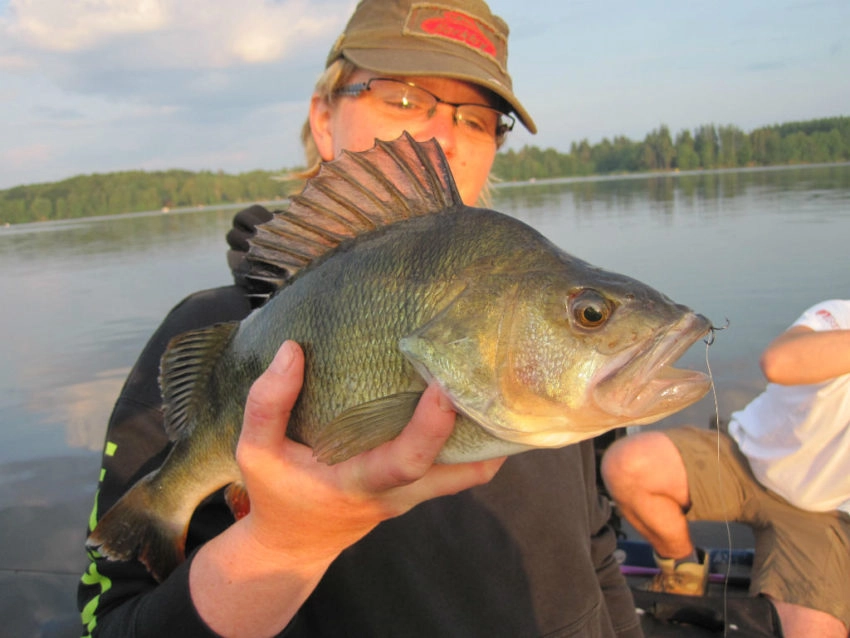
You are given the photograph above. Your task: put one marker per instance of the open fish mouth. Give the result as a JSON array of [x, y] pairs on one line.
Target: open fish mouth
[[648, 387]]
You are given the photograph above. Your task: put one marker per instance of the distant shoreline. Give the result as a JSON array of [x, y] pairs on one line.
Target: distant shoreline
[[275, 203], [278, 203], [668, 173]]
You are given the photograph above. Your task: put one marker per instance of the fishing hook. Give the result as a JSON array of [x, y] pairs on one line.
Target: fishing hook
[[714, 329]]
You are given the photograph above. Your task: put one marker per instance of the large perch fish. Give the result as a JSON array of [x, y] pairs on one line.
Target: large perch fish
[[396, 284]]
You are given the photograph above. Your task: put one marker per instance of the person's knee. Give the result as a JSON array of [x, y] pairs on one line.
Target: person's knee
[[624, 461], [634, 461]]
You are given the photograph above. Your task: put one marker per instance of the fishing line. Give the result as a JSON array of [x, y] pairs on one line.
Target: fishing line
[[709, 341]]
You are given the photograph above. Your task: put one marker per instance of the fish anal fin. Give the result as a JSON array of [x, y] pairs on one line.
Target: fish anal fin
[[135, 528], [364, 427], [184, 370], [355, 194]]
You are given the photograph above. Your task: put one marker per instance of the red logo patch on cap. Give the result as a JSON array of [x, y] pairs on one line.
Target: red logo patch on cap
[[460, 27], [441, 22]]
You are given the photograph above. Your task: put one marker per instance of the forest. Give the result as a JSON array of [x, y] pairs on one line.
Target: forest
[[705, 147]]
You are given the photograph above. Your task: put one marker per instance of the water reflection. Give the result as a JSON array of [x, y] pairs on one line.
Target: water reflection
[[755, 247], [43, 510], [669, 191], [84, 408], [111, 235], [85, 297]]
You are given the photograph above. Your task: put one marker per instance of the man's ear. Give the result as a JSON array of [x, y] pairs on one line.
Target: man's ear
[[320, 125]]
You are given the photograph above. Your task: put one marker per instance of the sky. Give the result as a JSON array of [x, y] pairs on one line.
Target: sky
[[97, 86]]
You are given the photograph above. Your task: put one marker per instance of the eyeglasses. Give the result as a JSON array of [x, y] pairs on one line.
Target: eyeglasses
[[407, 102]]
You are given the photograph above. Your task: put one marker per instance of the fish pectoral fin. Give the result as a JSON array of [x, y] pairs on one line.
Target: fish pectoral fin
[[364, 427]]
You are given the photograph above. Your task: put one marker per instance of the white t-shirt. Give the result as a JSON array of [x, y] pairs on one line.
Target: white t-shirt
[[797, 438]]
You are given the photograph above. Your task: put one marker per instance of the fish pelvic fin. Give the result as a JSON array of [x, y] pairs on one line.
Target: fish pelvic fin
[[237, 499], [184, 368], [135, 529], [364, 427], [352, 195]]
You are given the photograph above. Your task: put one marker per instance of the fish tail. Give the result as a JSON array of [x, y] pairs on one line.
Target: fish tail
[[137, 527]]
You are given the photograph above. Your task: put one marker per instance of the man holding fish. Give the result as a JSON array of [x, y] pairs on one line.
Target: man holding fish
[[382, 541]]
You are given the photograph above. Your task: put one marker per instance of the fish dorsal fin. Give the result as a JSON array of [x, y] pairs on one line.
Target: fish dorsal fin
[[352, 195], [184, 370]]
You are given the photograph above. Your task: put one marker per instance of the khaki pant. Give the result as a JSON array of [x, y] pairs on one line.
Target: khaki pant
[[801, 557]]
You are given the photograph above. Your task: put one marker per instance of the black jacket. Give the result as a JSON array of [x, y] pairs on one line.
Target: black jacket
[[529, 554]]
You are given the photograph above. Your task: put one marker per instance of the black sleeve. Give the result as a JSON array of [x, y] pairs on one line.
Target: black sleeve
[[114, 594], [603, 542], [120, 598]]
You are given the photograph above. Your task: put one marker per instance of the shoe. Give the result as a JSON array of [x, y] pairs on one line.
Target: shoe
[[684, 579]]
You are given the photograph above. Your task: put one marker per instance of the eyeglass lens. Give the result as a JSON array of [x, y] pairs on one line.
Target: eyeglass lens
[[405, 101]]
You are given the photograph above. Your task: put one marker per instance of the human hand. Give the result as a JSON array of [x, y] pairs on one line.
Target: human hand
[[310, 511], [252, 579]]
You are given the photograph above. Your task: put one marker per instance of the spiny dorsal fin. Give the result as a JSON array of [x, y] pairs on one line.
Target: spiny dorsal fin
[[351, 195], [184, 368]]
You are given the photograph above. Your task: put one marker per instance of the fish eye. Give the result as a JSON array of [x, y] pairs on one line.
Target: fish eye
[[590, 309]]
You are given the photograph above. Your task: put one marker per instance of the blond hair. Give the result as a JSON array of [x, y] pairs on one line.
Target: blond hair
[[333, 78]]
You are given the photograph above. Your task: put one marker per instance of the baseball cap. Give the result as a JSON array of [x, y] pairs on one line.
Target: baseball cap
[[458, 39]]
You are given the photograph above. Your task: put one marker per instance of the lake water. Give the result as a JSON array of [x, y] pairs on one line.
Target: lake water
[[754, 247]]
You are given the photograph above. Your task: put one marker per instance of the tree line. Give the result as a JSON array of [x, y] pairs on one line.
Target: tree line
[[135, 191], [706, 147]]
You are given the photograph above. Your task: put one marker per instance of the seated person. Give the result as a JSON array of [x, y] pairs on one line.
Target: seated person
[[783, 469]]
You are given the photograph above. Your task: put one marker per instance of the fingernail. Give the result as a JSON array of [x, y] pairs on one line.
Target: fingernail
[[284, 356], [444, 403]]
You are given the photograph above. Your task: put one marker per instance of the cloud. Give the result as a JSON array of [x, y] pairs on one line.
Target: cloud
[[116, 84], [197, 33], [10, 62], [150, 49], [57, 113], [26, 156], [69, 26]]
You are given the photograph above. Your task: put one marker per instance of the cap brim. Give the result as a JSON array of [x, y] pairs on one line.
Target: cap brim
[[396, 60]]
